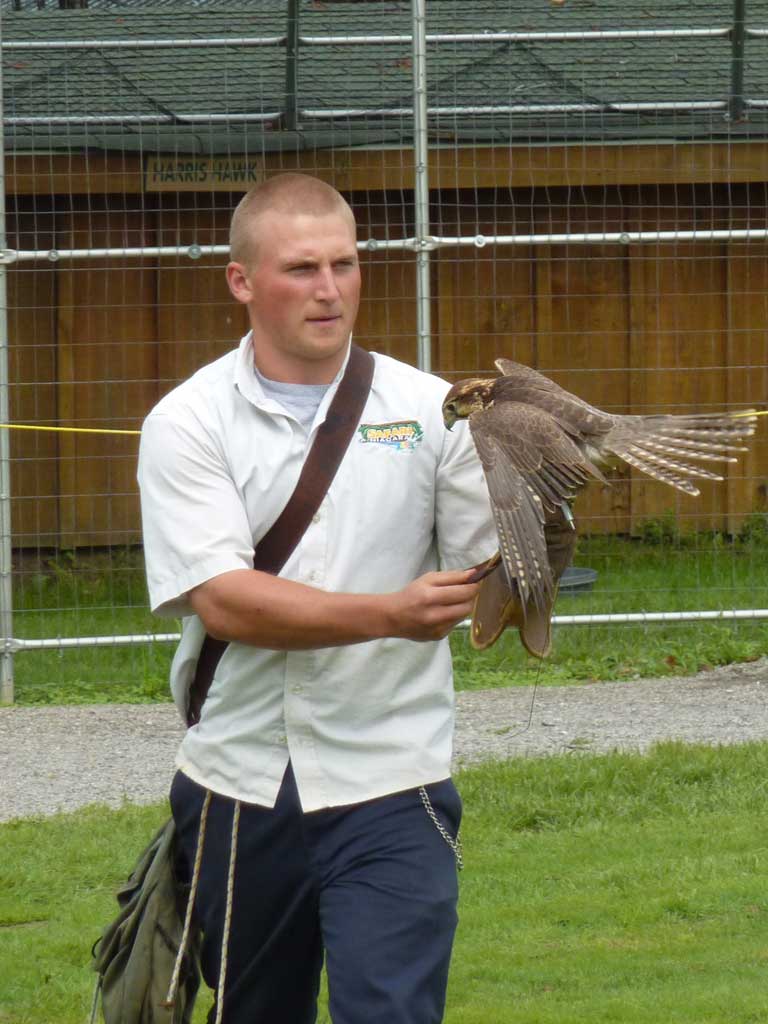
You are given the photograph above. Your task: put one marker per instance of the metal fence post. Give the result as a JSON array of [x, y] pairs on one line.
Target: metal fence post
[[292, 43], [6, 600], [736, 104], [421, 187]]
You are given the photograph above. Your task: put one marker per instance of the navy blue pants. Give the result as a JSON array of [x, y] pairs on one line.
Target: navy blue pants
[[371, 887]]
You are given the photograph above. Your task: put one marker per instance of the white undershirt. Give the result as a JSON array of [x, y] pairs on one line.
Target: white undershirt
[[300, 400]]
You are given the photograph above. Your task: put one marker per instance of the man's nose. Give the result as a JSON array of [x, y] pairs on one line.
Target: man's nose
[[326, 287]]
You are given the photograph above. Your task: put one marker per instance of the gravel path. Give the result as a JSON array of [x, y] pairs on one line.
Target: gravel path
[[60, 758]]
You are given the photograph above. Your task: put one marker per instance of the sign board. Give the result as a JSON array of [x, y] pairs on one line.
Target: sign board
[[203, 173]]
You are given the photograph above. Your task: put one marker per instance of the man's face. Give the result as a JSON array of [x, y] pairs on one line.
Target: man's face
[[302, 290]]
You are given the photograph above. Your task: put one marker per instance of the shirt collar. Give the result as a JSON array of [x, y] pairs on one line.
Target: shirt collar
[[249, 385]]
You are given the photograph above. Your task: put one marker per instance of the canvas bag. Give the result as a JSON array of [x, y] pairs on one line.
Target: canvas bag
[[138, 951]]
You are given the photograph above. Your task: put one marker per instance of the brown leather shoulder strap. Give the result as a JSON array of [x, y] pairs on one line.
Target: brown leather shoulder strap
[[276, 546], [331, 442]]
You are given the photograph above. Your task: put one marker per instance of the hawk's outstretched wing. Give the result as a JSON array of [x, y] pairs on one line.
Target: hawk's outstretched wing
[[531, 467], [539, 444], [524, 384], [499, 605], [663, 446]]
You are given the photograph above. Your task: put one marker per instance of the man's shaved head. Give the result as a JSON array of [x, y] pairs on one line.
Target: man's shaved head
[[287, 193]]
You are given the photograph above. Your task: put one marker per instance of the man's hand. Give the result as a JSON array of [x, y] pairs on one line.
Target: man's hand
[[432, 605]]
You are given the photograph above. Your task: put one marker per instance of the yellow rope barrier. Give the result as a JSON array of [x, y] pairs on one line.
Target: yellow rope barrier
[[66, 430], [106, 430]]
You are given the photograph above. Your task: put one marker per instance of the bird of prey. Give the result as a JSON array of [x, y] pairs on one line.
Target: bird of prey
[[539, 445]]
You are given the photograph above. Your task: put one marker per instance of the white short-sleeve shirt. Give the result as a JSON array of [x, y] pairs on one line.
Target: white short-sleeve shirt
[[218, 462]]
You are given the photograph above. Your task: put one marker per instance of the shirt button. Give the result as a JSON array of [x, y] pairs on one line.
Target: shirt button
[[312, 576], [316, 517]]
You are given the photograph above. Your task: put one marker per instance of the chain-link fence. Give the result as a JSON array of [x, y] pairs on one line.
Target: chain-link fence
[[578, 186]]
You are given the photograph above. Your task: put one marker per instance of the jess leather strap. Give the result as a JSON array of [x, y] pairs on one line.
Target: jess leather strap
[[277, 544]]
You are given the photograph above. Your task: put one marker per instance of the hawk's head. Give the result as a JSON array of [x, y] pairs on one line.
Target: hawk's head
[[466, 397]]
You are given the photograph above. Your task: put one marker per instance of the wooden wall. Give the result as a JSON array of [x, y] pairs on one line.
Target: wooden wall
[[632, 328]]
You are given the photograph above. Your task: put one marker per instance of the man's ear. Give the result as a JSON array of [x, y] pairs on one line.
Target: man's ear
[[239, 283]]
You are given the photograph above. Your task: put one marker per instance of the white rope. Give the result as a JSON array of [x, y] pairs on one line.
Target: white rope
[[95, 1003], [170, 999], [227, 914]]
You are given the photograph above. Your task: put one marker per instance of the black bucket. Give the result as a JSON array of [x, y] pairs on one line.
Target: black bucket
[[577, 581]]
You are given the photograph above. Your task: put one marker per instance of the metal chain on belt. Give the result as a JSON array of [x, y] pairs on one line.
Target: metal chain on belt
[[455, 844]]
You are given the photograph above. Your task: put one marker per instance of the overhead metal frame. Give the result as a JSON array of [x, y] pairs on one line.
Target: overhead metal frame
[[292, 41]]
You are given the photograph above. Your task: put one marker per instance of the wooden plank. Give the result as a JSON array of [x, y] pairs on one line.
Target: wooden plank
[[386, 321], [702, 336], [484, 296], [65, 391], [485, 310], [640, 331], [583, 340], [32, 392], [462, 167], [350, 170], [544, 357], [595, 164], [73, 173], [678, 351], [197, 318], [107, 373], [678, 358], [672, 352], [747, 380]]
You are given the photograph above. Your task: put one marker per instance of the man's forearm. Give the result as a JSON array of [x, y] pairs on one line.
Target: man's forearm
[[250, 607]]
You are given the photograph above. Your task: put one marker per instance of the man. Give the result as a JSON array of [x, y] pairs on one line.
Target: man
[[326, 734]]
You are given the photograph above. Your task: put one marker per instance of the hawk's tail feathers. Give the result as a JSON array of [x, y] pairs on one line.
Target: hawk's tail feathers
[[665, 447], [666, 475], [704, 451], [705, 426], [665, 459]]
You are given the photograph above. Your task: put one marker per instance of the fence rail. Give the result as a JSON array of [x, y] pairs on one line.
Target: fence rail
[[459, 259]]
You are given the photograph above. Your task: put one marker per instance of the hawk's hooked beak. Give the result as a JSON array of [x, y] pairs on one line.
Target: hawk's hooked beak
[[449, 415]]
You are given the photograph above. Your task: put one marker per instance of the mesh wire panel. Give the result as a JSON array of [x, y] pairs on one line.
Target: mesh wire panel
[[581, 187]]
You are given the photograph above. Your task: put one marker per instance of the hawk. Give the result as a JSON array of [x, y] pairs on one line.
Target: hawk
[[539, 445]]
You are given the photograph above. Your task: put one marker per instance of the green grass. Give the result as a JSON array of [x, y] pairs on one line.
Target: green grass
[[89, 594], [699, 573], [615, 888], [105, 595]]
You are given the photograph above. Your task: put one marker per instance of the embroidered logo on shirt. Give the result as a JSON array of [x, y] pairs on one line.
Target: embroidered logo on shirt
[[404, 435]]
